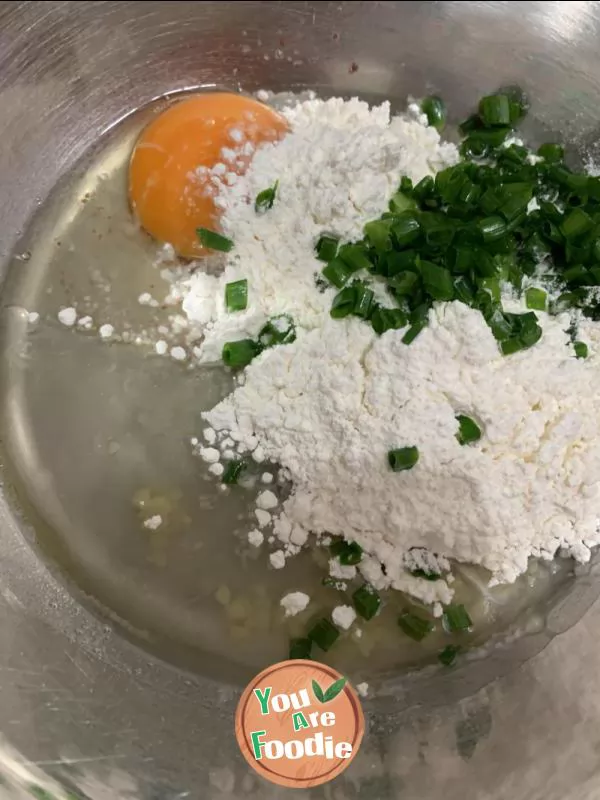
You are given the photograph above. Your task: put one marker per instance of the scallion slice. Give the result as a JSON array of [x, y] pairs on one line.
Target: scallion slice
[[327, 248], [349, 553], [367, 601], [236, 295], [455, 618], [214, 240], [300, 648], [324, 634], [233, 470], [239, 354], [403, 458], [437, 281], [414, 330], [414, 626], [434, 109], [277, 330], [468, 430], [448, 655], [266, 198], [337, 272], [495, 110], [552, 153], [581, 349], [343, 303], [536, 299], [385, 319]]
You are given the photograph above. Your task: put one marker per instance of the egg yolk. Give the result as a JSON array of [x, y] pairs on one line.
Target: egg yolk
[[177, 156]]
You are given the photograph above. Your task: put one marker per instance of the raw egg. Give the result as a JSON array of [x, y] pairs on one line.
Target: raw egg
[[178, 156]]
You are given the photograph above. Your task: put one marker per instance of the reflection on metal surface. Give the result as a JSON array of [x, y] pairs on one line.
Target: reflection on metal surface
[[83, 704]]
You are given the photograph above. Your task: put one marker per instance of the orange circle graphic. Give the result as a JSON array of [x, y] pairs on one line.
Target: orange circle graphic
[[299, 723]]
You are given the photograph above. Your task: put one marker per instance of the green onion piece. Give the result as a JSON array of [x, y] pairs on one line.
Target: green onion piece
[[415, 627], [343, 303], [424, 188], [403, 458], [468, 430], [581, 349], [552, 153], [404, 283], [386, 319], [327, 248], [437, 281], [448, 655], [512, 345], [239, 354], [406, 229], [266, 198], [337, 272], [434, 109], [495, 110], [406, 185], [456, 618], [470, 124], [378, 234], [300, 648], [537, 299], [414, 330], [214, 240], [277, 330], [363, 300], [233, 470], [401, 202], [425, 574], [355, 257], [492, 228], [324, 634], [367, 601], [576, 224], [236, 295], [349, 553], [577, 275]]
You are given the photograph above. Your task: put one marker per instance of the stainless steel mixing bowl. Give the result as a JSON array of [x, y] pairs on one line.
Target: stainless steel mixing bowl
[[81, 710]]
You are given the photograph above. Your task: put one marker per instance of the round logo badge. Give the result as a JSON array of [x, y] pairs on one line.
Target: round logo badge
[[299, 723]]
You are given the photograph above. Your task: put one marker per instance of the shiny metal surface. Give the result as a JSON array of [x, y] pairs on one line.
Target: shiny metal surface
[[79, 703]]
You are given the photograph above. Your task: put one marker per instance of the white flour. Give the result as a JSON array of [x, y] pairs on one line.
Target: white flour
[[336, 170], [329, 407]]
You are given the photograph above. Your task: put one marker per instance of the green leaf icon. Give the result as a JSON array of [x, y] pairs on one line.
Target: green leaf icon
[[318, 692], [334, 690]]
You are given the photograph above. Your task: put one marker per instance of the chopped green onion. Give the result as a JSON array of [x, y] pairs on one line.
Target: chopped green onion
[[415, 627], [385, 319], [337, 272], [378, 234], [403, 458], [214, 240], [495, 110], [434, 109], [537, 299], [367, 601], [424, 188], [266, 198], [277, 330], [343, 303], [468, 430], [363, 300], [406, 185], [406, 229], [581, 349], [414, 330], [349, 553], [401, 202], [233, 470], [324, 634], [448, 655], [552, 153], [425, 574], [236, 295], [239, 354], [455, 618], [437, 281], [492, 228], [354, 256], [576, 224], [300, 648], [327, 247]]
